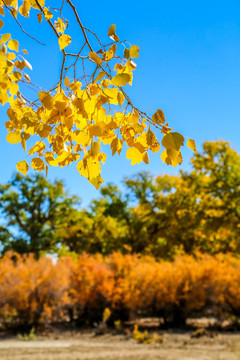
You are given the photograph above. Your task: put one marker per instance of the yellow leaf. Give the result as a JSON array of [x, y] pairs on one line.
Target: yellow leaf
[[116, 146], [14, 137], [27, 64], [13, 89], [150, 138], [191, 144], [39, 147], [102, 157], [68, 121], [89, 168], [158, 117], [134, 155], [97, 181], [105, 83], [81, 138], [14, 11], [46, 99], [111, 30], [171, 157], [120, 98], [92, 55], [4, 98], [146, 158], [133, 52], [126, 53], [95, 130], [25, 52], [108, 55], [60, 101], [13, 45], [27, 77], [37, 164], [95, 147], [23, 142], [112, 94], [66, 81], [173, 141], [44, 130], [112, 33], [23, 167], [59, 25], [25, 8], [114, 38], [139, 146], [64, 40], [48, 15], [50, 159], [121, 79], [1, 24], [100, 76], [11, 56], [39, 16], [94, 168], [5, 38], [155, 147]]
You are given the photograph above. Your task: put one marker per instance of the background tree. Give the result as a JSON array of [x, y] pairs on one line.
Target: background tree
[[32, 209], [196, 210], [200, 209]]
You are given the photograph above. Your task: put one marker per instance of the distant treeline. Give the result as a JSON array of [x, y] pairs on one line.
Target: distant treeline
[[196, 210]]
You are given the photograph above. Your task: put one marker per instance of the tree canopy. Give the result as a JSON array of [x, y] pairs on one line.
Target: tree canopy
[[34, 209], [88, 107]]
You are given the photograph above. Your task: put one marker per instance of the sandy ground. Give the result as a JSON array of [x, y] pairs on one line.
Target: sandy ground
[[175, 346]]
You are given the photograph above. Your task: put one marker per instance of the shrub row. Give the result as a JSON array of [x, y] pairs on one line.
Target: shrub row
[[80, 287]]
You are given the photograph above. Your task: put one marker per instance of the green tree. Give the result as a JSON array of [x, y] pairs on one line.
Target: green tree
[[32, 209]]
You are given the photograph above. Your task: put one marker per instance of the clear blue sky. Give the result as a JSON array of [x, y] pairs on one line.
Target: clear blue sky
[[189, 66]]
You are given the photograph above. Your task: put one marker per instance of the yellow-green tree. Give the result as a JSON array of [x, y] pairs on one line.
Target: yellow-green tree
[[201, 209]]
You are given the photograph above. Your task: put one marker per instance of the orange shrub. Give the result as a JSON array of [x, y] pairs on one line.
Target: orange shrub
[[91, 287], [36, 291], [32, 291]]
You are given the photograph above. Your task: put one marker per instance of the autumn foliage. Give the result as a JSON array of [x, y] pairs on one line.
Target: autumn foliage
[[80, 288], [88, 107]]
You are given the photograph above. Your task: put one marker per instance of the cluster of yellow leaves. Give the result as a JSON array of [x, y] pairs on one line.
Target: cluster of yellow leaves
[[74, 119]]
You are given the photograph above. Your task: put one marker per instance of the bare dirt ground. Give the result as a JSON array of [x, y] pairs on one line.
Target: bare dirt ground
[[175, 346]]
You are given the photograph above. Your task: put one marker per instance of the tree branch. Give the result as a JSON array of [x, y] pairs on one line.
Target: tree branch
[[10, 10], [80, 24]]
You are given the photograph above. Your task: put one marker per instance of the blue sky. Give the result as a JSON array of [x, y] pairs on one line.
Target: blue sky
[[189, 67]]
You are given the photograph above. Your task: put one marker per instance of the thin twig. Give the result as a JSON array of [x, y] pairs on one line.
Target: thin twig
[[62, 68], [93, 33], [80, 23], [12, 13], [49, 21]]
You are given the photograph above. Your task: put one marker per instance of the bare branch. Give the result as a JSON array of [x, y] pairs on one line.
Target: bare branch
[[93, 33], [12, 13], [80, 23]]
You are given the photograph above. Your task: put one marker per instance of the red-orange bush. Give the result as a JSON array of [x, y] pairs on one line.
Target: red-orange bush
[[39, 291]]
